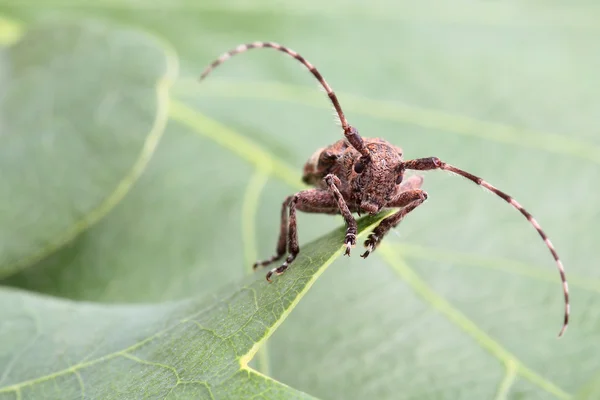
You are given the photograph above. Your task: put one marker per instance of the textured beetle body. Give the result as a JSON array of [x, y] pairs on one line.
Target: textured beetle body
[[362, 175], [364, 192]]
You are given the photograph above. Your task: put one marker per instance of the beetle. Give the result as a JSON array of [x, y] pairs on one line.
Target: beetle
[[363, 175]]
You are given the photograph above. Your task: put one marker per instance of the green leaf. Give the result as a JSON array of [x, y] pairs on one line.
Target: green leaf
[[194, 348], [82, 107], [463, 302]]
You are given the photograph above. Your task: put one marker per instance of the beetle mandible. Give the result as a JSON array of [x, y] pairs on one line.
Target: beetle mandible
[[363, 175]]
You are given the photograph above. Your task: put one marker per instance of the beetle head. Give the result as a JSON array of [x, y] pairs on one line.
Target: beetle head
[[378, 177]]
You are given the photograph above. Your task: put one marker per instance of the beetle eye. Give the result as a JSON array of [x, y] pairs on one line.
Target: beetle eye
[[399, 179], [359, 167]]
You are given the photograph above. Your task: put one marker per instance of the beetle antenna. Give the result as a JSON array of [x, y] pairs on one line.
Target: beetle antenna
[[259, 45], [430, 163], [350, 132]]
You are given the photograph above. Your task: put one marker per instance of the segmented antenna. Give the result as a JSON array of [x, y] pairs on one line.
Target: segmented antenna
[[436, 163], [536, 226], [259, 45]]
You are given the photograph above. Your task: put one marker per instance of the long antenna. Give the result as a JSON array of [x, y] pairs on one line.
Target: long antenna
[[430, 163], [259, 45]]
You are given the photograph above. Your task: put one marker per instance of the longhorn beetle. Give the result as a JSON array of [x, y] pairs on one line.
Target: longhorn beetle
[[363, 175]]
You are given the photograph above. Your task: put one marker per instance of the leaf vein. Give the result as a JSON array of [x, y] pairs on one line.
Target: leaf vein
[[455, 316], [397, 112], [142, 361], [113, 355], [500, 264], [508, 381], [81, 385], [124, 185]]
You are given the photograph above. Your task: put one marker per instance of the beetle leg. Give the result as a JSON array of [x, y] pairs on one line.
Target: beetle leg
[[311, 201], [408, 200], [333, 182]]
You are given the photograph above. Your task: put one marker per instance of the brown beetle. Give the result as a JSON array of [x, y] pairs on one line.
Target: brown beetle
[[356, 175]]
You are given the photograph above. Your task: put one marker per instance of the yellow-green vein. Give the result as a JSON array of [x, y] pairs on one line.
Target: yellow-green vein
[[500, 264], [162, 88], [233, 141], [253, 372], [244, 360], [507, 382], [422, 289], [250, 203], [396, 112], [81, 385], [110, 356], [249, 211], [591, 388], [154, 364]]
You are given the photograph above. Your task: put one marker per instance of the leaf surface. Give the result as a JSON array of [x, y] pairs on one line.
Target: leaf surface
[[463, 302], [76, 131], [193, 348]]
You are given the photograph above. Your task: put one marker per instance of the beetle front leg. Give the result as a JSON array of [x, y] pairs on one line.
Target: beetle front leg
[[333, 182], [311, 201], [408, 200], [282, 241]]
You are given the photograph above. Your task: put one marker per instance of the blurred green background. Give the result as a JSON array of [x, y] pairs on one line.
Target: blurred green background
[[99, 203]]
